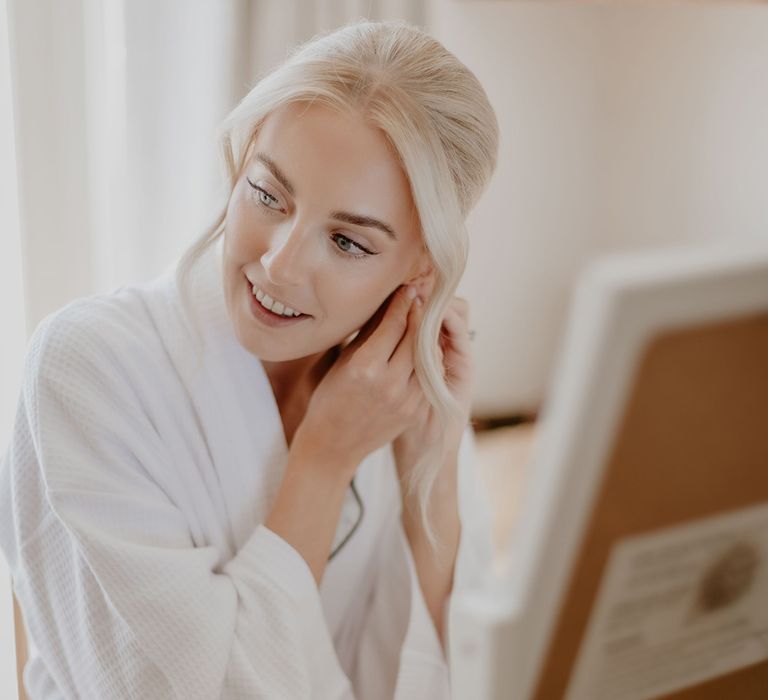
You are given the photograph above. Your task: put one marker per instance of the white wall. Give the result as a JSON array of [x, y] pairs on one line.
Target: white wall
[[685, 123], [624, 125]]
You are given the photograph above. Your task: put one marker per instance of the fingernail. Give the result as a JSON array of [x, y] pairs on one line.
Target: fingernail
[[419, 301], [411, 292]]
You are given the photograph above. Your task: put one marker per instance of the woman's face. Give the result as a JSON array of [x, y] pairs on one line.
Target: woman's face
[[305, 225]]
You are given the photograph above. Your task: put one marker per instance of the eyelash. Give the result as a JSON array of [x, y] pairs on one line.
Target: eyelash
[[354, 256]]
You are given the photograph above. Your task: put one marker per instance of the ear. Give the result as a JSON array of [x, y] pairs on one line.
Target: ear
[[423, 275], [422, 266]]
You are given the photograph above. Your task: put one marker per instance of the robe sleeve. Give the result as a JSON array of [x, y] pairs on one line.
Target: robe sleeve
[[118, 600], [400, 655]]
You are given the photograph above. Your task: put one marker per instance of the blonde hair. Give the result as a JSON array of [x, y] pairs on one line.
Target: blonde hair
[[442, 128]]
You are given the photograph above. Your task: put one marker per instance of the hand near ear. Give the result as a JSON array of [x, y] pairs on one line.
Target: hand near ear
[[458, 370]]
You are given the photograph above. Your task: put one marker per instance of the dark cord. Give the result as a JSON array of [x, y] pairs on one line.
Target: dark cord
[[357, 522]]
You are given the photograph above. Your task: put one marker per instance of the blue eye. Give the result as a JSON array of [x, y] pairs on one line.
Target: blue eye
[[264, 197], [345, 251]]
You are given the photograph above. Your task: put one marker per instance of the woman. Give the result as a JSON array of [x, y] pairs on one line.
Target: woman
[[183, 497]]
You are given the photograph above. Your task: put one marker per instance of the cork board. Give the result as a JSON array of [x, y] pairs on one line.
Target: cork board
[[692, 442]]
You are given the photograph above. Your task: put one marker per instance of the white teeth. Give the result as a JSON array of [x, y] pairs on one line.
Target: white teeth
[[275, 306]]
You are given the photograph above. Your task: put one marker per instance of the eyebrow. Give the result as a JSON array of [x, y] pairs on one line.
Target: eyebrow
[[359, 220], [348, 217]]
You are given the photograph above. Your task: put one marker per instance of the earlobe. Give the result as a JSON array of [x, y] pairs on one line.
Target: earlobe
[[424, 281]]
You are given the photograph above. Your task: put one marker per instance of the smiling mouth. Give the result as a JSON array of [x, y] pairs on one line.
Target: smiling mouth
[[259, 309]]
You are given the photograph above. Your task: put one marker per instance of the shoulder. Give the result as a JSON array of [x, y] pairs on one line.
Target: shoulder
[[90, 336]]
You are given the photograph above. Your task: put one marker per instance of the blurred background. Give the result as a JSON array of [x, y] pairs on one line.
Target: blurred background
[[624, 126]]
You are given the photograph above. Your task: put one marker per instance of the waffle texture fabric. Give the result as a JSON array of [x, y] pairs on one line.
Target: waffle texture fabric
[[133, 493]]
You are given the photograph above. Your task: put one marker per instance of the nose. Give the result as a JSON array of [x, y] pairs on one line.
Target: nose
[[287, 259]]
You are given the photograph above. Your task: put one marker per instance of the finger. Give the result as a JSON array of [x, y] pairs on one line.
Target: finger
[[384, 338], [461, 306], [370, 325], [402, 361], [457, 332]]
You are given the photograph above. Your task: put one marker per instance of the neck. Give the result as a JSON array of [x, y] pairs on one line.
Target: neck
[[297, 379]]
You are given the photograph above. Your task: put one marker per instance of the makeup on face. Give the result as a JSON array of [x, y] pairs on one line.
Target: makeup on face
[[328, 171]]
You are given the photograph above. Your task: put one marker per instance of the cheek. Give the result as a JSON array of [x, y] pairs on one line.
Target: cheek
[[347, 298], [235, 230]]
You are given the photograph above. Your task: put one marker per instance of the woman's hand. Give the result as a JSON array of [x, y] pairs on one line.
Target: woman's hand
[[370, 394], [458, 370]]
